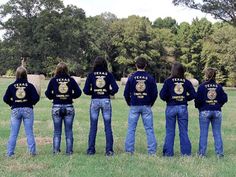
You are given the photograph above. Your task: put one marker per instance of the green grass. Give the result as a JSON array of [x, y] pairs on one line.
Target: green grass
[[140, 164]]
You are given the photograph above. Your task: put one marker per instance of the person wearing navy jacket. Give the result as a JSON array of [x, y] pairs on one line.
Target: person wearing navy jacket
[[62, 89], [177, 91], [21, 96], [100, 84], [209, 100], [140, 94]]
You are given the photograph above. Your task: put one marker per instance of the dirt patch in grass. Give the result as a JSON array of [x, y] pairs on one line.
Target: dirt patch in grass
[[16, 166], [37, 121], [39, 141]]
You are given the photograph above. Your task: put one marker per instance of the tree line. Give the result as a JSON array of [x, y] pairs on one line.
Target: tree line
[[46, 32]]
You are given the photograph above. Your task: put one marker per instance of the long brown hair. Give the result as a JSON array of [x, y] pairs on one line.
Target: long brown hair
[[21, 73], [141, 62], [177, 70], [61, 69], [100, 62], [210, 74]]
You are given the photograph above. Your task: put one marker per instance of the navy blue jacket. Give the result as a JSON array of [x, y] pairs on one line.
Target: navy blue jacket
[[210, 96], [140, 89], [177, 91], [21, 93], [62, 89], [100, 84]]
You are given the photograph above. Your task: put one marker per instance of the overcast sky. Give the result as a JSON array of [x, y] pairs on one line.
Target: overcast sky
[[124, 8], [149, 8]]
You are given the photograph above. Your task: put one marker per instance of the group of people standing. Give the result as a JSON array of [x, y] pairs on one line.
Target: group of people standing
[[140, 94]]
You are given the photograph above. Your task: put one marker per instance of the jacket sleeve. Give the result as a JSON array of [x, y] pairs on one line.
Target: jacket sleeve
[[164, 93], [49, 92], [127, 92], [7, 98], [76, 90], [87, 87], [223, 97], [154, 92], [191, 92], [199, 99], [114, 86], [34, 95]]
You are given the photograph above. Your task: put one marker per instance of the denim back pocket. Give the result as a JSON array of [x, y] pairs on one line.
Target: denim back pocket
[[70, 111], [55, 111], [204, 114], [14, 113], [95, 104], [28, 113], [218, 115], [106, 104]]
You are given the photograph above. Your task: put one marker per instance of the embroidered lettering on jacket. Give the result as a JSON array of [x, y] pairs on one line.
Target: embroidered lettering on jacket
[[63, 88], [178, 89], [211, 95], [20, 92], [100, 84], [140, 86]]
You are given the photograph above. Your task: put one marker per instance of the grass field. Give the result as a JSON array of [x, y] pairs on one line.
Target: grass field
[[140, 164]]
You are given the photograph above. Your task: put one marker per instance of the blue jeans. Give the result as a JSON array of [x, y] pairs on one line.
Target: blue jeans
[[147, 117], [105, 106], [215, 118], [58, 118], [179, 112], [17, 116]]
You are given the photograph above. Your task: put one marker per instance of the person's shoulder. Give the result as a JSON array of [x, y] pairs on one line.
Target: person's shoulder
[[30, 86], [188, 82], [219, 85], [109, 74], [168, 80], [151, 78], [52, 79], [11, 85], [72, 79], [90, 74], [149, 75], [202, 85], [131, 75]]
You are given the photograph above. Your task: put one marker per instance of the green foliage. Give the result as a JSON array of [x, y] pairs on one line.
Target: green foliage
[[49, 65], [10, 72], [47, 32], [221, 9], [220, 52], [190, 40], [167, 22]]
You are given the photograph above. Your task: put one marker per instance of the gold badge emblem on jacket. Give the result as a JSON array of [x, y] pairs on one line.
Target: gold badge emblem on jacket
[[211, 94], [140, 86], [179, 89], [100, 82], [63, 88], [20, 92]]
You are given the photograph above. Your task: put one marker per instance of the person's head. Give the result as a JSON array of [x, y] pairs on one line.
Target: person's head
[[210, 74], [177, 70], [100, 62], [141, 63], [61, 69], [21, 73]]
